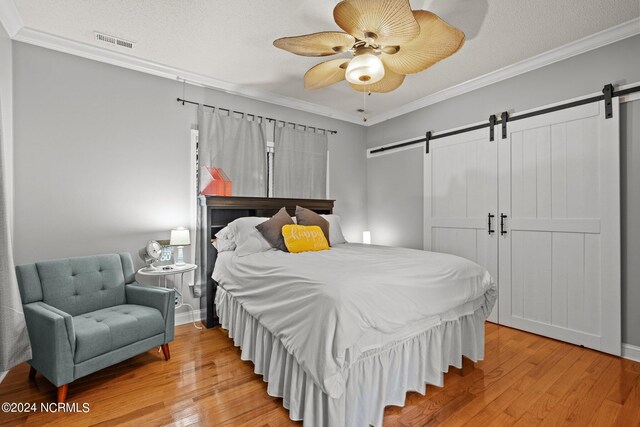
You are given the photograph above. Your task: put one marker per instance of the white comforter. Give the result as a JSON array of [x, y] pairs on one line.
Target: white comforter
[[319, 304]]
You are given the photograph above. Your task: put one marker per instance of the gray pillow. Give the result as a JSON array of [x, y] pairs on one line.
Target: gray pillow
[[305, 216], [271, 229]]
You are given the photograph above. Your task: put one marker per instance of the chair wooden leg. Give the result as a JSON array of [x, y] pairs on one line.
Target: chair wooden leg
[[62, 393], [32, 373], [165, 351]]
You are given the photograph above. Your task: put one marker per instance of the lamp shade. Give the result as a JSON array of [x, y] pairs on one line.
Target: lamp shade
[[180, 237]]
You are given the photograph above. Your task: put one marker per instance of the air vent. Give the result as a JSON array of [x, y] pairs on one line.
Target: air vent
[[114, 41]]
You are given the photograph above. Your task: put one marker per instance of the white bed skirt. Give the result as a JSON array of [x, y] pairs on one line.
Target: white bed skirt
[[377, 379]]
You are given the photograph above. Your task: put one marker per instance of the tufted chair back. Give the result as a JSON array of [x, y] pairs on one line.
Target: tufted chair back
[[77, 285]]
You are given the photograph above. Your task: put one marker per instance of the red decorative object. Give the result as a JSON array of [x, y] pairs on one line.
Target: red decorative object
[[214, 182]]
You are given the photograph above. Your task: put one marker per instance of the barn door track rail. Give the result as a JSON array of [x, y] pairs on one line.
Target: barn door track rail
[[608, 93]]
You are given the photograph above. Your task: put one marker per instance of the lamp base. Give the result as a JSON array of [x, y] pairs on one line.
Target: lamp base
[[180, 256]]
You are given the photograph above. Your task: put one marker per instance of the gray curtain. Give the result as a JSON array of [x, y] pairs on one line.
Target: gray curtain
[[300, 164], [15, 347], [239, 147]]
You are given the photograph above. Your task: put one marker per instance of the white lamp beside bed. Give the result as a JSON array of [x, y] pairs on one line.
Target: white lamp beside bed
[[180, 238]]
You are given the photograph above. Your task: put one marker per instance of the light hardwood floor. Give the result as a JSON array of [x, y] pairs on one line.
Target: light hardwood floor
[[525, 380]]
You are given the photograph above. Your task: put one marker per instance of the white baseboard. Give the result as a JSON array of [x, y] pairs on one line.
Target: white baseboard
[[631, 352], [184, 317]]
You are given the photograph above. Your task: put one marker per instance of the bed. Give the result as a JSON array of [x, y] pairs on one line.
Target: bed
[[340, 334]]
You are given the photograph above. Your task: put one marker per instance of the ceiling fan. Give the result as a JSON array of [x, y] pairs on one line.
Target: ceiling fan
[[387, 39]]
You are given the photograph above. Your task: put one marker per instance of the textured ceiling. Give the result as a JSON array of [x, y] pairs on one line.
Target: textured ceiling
[[231, 40]]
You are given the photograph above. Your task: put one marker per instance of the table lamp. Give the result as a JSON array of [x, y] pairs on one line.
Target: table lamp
[[180, 238]]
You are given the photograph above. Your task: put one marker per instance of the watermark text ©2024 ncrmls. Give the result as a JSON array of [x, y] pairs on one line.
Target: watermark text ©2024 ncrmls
[[66, 407]]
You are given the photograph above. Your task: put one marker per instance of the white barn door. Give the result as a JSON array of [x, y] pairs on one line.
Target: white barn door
[[460, 192], [560, 257]]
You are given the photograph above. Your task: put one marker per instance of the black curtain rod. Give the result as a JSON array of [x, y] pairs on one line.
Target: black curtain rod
[[184, 101], [572, 104]]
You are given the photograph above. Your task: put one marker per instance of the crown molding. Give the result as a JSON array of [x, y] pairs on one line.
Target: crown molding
[[12, 22], [591, 42], [10, 18], [108, 56]]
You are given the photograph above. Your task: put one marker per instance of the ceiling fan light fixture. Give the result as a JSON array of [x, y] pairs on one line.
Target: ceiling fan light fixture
[[365, 69], [387, 39]]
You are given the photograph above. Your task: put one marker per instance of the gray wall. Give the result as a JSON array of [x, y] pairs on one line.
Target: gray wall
[[102, 156], [617, 63], [394, 187], [89, 138]]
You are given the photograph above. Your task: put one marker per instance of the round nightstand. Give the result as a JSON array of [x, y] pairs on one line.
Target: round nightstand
[[172, 270]]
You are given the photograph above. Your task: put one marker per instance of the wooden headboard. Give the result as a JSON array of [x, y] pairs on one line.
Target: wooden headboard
[[223, 210]]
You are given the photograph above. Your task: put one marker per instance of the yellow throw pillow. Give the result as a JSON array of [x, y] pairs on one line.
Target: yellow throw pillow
[[301, 238]]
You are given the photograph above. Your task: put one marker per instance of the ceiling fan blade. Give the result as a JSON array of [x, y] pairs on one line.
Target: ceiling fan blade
[[390, 81], [317, 44], [325, 74], [391, 21], [437, 40]]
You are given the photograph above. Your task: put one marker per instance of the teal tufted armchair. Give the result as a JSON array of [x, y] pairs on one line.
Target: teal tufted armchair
[[84, 314]]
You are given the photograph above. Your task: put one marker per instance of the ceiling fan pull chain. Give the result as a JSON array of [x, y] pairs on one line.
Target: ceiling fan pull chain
[[364, 105]]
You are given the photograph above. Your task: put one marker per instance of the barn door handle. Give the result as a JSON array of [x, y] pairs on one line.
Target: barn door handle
[[490, 216], [502, 230]]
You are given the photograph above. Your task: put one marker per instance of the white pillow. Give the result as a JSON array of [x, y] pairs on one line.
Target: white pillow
[[247, 238], [335, 231], [224, 240], [225, 234]]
